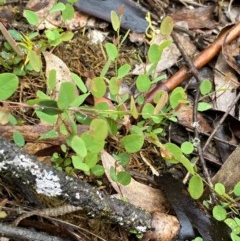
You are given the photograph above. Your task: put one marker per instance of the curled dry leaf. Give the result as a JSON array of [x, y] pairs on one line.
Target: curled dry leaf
[[138, 194]]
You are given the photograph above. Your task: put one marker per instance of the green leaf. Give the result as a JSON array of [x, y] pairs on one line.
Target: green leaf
[[187, 164], [133, 108], [98, 87], [98, 129], [123, 71], [78, 145], [219, 189], [49, 134], [31, 17], [187, 147], [133, 142], [79, 82], [92, 144], [112, 51], [67, 95], [166, 26], [177, 96], [235, 237], [79, 100], [114, 85], [113, 173], [49, 107], [35, 60], [147, 111], [44, 117], [123, 158], [68, 12], [79, 164], [18, 138], [51, 81], [143, 83], [57, 7], [8, 85], [202, 106], [219, 213], [154, 53], [195, 187], [236, 189], [98, 170], [174, 153], [205, 87], [123, 178], [91, 159], [115, 21]]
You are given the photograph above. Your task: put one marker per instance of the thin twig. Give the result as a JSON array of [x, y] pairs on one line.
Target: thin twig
[[193, 70]]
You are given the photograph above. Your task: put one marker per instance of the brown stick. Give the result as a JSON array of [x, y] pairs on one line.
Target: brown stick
[[200, 60]]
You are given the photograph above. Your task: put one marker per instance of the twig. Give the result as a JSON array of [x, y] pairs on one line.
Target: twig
[[18, 233], [193, 70]]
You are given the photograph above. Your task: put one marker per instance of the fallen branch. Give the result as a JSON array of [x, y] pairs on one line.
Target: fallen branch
[[52, 183]]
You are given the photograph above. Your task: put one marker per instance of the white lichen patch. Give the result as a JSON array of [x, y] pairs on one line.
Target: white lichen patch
[[46, 181], [141, 229]]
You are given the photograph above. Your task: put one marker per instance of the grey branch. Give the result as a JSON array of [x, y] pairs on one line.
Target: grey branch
[[52, 183]]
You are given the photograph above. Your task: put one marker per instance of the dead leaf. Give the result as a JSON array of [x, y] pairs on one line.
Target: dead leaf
[[138, 194], [63, 74], [225, 85], [196, 18]]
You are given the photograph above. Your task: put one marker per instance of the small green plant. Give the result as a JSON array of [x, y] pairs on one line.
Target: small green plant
[[228, 209]]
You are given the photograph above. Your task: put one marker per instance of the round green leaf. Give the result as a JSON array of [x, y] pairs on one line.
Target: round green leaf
[[143, 83], [98, 129], [177, 96], [236, 189], [132, 143], [219, 189], [98, 87], [98, 170], [166, 26], [219, 213], [8, 85], [195, 187], [123, 178], [205, 87], [187, 147]]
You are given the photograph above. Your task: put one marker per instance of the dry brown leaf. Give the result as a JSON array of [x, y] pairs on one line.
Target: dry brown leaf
[[185, 115], [225, 81], [138, 194], [63, 73], [196, 18]]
